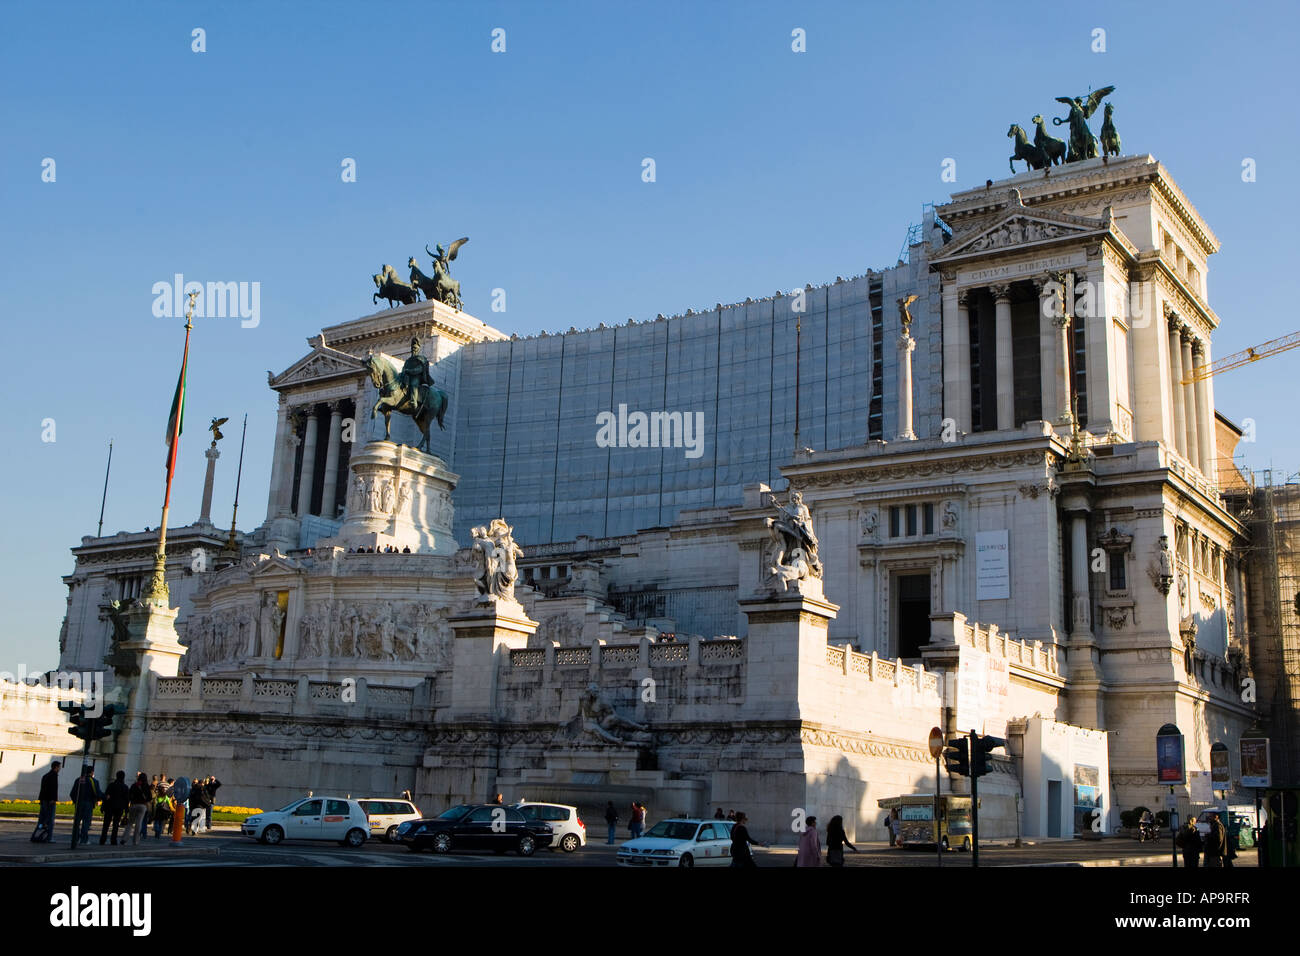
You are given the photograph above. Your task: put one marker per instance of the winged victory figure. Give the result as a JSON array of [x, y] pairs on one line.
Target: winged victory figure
[[1083, 145]]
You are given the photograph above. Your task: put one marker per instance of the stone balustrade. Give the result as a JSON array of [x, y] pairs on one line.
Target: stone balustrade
[[301, 695], [721, 651], [1031, 655], [848, 661]]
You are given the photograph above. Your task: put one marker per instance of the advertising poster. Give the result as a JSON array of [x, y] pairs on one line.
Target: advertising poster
[[1254, 762], [1169, 759]]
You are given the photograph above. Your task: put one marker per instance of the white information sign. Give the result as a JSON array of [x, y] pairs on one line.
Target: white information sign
[[992, 566]]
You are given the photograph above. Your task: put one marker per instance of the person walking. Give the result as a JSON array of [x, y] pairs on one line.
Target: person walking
[[48, 799], [85, 795], [1216, 842], [611, 819], [741, 842], [1234, 840], [888, 823], [1189, 842], [116, 800], [836, 841], [895, 828], [138, 800], [810, 847], [637, 821]]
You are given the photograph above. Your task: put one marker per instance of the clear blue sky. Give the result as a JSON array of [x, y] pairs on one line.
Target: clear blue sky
[[773, 169]]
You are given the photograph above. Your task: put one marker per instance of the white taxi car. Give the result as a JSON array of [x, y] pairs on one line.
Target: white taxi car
[[311, 818], [570, 832], [680, 842], [386, 815]]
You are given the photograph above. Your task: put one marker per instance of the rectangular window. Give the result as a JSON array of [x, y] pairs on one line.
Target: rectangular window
[[1118, 580], [911, 521], [893, 521], [876, 410], [927, 518]]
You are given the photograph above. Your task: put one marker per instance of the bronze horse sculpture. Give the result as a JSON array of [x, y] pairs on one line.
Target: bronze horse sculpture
[[1032, 155], [1052, 147], [396, 397], [393, 289]]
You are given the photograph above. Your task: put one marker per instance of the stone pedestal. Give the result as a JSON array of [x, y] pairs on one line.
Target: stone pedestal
[[397, 496], [154, 645], [785, 648], [481, 637]]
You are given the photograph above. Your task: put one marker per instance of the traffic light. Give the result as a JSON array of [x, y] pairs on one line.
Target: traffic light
[[956, 756], [81, 724], [102, 726], [980, 748]]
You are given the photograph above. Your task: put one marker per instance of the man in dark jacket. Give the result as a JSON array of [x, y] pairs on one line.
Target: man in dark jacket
[[210, 788], [1216, 842], [138, 797], [85, 795], [117, 797], [1189, 841], [49, 796], [198, 801]]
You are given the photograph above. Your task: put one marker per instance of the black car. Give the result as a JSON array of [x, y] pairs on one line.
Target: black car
[[482, 827]]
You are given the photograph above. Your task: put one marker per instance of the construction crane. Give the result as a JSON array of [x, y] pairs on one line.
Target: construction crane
[[1238, 359]]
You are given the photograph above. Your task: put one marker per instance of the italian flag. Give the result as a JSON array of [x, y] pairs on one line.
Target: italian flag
[[176, 421]]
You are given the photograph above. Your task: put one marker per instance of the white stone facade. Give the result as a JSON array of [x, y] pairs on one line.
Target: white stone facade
[[1045, 448]]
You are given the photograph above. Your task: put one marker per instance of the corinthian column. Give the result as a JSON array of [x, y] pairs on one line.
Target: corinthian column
[[1176, 383], [1002, 343], [1204, 411], [308, 476], [1047, 305], [205, 510], [1064, 414], [905, 346], [1188, 393], [329, 492], [956, 357]]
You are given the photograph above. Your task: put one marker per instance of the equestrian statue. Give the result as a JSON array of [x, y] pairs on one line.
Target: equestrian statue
[[407, 388]]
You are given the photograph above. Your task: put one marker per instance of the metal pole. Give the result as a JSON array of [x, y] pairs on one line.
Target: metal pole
[[938, 830], [239, 474], [974, 804], [1173, 832], [104, 500], [157, 590], [798, 352]]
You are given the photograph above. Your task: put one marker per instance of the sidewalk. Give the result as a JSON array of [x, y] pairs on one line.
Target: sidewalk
[[16, 845]]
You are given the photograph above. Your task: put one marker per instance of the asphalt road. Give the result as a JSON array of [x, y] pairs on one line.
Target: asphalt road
[[227, 847]]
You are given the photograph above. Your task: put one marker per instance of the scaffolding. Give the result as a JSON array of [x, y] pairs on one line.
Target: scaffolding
[[1274, 618]]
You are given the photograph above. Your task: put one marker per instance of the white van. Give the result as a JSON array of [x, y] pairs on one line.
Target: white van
[[387, 814], [311, 818]]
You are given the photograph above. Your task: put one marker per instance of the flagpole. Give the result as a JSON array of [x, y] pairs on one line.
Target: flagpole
[[157, 593], [230, 542], [104, 500]]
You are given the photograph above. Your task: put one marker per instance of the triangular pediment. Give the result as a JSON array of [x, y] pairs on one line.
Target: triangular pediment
[[274, 564], [1018, 226], [322, 363]]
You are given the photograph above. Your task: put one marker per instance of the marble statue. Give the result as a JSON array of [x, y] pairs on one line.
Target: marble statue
[[600, 719], [794, 543], [493, 554]]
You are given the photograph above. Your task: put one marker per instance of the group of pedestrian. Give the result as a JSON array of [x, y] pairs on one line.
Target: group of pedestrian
[[1217, 848], [167, 802], [810, 847], [635, 824]]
